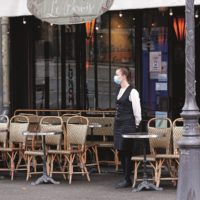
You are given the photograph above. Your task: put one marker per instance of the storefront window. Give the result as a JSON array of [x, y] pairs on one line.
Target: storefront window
[[47, 66], [55, 66], [109, 43], [122, 45], [155, 64], [115, 47]]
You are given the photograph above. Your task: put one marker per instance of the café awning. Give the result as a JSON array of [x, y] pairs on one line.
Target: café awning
[[11, 8]]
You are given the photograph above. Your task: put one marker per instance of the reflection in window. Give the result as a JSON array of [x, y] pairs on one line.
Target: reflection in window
[[115, 46]]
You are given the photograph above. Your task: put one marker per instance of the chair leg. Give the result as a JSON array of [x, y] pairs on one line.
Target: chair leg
[[12, 164], [19, 161], [34, 163], [159, 171], [51, 165], [135, 173], [59, 158], [29, 158], [85, 171], [71, 160], [95, 149], [64, 166], [116, 159]]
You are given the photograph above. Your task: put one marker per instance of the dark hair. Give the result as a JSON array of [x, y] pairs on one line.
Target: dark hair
[[127, 72]]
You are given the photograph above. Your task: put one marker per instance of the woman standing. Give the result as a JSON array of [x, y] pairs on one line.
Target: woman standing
[[127, 119]]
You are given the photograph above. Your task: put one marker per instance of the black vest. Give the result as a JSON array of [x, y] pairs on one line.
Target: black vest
[[124, 110]]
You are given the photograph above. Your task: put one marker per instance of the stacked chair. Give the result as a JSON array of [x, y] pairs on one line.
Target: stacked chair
[[17, 142], [159, 147], [105, 140], [74, 155], [171, 161], [4, 126], [65, 117], [47, 124]]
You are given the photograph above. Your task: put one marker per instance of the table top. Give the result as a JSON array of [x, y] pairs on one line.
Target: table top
[[42, 133], [97, 125], [141, 135]]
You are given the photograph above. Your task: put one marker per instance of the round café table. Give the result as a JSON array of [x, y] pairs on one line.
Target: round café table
[[145, 184], [44, 178]]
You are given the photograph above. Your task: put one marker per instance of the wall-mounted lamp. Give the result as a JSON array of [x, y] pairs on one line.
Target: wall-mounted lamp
[[196, 14], [90, 28], [98, 23], [120, 14], [24, 20], [171, 12], [179, 28]]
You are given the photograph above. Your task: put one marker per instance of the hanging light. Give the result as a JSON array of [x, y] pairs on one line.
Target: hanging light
[[120, 14], [68, 11], [196, 13], [98, 23], [179, 28], [24, 21], [171, 12]]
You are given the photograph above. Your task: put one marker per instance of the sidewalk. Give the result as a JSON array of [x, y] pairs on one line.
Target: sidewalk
[[101, 187]]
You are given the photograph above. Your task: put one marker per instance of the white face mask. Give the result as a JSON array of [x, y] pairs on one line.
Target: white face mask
[[117, 80]]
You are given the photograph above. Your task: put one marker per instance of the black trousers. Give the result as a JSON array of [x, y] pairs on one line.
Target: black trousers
[[126, 163]]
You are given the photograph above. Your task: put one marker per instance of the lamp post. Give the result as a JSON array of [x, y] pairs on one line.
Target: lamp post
[[189, 175]]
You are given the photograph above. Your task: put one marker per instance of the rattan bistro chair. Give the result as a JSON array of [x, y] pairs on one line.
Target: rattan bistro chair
[[161, 147], [75, 154], [17, 143], [65, 117], [104, 140], [47, 124], [4, 126], [172, 160], [158, 146]]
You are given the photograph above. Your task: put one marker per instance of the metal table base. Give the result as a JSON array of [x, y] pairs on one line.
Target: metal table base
[[45, 179], [145, 184]]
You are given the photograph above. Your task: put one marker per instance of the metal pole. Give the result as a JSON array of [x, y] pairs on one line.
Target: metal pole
[[189, 176], [5, 65]]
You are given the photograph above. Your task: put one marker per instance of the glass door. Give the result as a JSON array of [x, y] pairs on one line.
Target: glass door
[[155, 64]]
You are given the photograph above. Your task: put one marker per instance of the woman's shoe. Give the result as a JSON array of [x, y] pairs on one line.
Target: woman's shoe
[[123, 184]]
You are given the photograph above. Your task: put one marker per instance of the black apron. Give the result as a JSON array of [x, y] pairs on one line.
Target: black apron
[[125, 124]]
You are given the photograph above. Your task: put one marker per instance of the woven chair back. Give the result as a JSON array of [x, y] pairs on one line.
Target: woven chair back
[[177, 130], [107, 125], [162, 126], [4, 125], [33, 118], [77, 127], [66, 116], [52, 124], [18, 124]]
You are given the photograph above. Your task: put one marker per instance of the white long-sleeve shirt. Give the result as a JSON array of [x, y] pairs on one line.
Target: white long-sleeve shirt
[[135, 99]]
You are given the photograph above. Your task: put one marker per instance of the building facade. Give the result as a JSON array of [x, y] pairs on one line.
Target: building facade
[[72, 66]]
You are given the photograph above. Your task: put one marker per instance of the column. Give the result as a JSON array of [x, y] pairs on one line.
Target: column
[[189, 176], [5, 65]]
